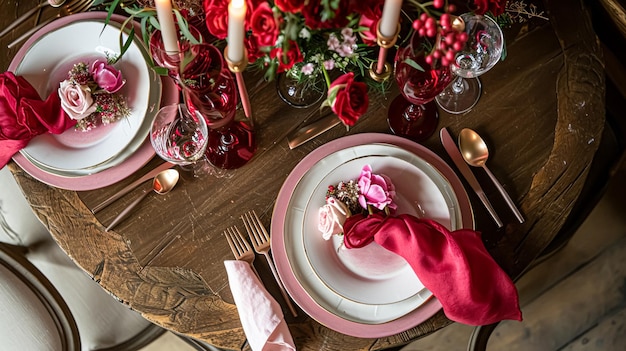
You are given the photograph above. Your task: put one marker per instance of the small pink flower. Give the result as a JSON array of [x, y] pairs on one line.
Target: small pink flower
[[308, 69], [329, 64], [76, 100], [333, 42], [106, 76], [331, 217], [376, 190]]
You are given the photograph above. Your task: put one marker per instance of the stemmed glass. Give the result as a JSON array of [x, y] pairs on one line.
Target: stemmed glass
[[209, 91], [481, 52], [414, 113], [164, 59], [180, 137]]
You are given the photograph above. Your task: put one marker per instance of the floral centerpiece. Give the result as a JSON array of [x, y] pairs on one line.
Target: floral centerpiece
[[90, 94]]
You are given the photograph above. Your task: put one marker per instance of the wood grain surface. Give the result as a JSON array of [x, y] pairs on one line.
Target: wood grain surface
[[541, 113]]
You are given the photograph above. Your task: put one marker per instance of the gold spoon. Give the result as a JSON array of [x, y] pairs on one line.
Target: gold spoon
[[162, 184], [475, 153]]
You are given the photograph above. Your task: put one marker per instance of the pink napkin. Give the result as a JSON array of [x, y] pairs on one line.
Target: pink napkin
[[23, 115], [261, 316], [454, 266]]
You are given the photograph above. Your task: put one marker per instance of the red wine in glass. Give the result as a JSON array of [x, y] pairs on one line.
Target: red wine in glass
[[413, 114]]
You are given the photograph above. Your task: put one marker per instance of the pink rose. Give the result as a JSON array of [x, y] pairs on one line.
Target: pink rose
[[348, 98], [331, 217], [376, 190], [76, 100], [106, 76]]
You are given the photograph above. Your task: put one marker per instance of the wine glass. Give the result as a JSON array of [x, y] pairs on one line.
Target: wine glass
[[209, 91], [180, 137], [165, 59], [414, 113], [481, 52]]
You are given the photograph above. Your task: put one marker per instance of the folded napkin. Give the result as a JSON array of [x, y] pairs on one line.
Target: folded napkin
[[454, 266], [23, 115], [261, 316]]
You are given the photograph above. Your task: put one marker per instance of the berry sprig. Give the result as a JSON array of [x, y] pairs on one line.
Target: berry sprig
[[447, 31]]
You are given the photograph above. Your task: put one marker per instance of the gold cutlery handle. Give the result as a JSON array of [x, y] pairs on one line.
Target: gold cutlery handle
[[283, 292], [22, 18], [505, 195], [31, 32], [120, 217]]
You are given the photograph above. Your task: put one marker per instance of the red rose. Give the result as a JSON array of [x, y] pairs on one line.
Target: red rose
[[292, 6], [286, 60], [264, 27], [348, 99], [216, 14], [253, 49], [496, 7], [312, 12]]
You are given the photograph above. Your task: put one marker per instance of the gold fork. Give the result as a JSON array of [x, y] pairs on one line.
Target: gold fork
[[261, 243], [240, 247]]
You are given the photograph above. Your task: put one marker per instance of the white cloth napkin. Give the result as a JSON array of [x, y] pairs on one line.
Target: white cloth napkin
[[261, 316]]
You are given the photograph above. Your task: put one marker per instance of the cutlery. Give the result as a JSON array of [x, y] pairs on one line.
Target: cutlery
[[66, 10], [311, 131], [26, 15], [240, 247], [476, 153], [132, 186], [458, 160], [162, 184], [261, 242]]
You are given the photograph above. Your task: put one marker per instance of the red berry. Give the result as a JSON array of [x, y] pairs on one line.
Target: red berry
[[417, 24], [450, 55], [438, 3], [457, 46], [429, 59], [451, 8], [431, 32]]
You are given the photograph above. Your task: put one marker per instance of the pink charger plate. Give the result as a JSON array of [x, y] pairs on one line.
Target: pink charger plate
[[108, 176], [288, 277]]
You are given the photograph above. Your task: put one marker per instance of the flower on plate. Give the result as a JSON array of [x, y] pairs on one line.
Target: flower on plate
[[106, 76], [331, 217], [376, 190], [91, 95], [76, 100], [370, 193]]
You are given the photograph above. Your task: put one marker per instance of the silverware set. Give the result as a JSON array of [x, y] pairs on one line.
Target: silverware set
[[478, 158], [260, 239]]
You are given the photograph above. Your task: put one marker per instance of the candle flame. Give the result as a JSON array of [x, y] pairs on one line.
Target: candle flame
[[237, 3]]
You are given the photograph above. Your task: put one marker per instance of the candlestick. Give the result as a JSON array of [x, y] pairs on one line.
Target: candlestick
[[382, 70], [168, 28], [390, 17], [237, 68], [236, 30]]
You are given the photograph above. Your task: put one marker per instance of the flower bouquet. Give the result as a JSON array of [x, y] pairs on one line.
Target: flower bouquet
[[90, 94]]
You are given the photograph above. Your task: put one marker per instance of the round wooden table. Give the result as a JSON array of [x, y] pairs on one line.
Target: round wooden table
[[541, 113]]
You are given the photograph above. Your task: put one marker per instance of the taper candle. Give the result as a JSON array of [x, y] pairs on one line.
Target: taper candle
[[390, 18], [168, 28], [236, 29]]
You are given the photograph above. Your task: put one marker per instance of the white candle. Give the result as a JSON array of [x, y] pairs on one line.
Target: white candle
[[168, 28], [391, 16], [236, 30]]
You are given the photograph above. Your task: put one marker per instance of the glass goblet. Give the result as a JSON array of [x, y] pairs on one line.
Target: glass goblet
[[165, 59], [480, 53], [209, 90], [180, 137], [413, 114]]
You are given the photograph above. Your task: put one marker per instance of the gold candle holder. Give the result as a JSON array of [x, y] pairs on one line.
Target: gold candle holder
[[237, 68], [381, 70]]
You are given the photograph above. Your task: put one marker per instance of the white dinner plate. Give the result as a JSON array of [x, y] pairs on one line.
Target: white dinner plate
[[373, 275], [307, 290], [46, 64]]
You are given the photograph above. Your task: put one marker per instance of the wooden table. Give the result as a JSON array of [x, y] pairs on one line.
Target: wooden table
[[541, 112]]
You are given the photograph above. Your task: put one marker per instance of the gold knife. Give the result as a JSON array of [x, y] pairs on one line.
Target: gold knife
[[312, 130], [458, 160], [131, 186]]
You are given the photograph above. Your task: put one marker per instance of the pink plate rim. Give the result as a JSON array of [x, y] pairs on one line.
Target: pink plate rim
[[298, 293]]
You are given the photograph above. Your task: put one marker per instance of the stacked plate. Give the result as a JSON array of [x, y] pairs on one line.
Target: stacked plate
[[80, 160], [366, 292]]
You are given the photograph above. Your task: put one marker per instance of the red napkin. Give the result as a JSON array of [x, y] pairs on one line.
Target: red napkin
[[23, 115], [454, 266]]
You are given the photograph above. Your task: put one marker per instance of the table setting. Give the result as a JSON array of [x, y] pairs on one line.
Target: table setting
[[429, 236]]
